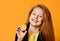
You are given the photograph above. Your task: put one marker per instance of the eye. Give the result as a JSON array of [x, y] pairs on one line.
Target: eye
[[40, 16], [34, 14]]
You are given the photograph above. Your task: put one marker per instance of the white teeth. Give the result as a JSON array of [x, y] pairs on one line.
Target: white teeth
[[34, 20]]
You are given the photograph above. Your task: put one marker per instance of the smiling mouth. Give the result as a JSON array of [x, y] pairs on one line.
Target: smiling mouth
[[35, 20]]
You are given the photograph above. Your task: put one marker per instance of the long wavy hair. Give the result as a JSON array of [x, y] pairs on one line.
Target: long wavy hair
[[46, 26]]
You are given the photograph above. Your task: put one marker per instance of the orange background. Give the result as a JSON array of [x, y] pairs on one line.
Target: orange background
[[15, 12]]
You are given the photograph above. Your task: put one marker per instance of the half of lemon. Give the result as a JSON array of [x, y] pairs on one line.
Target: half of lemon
[[23, 27]]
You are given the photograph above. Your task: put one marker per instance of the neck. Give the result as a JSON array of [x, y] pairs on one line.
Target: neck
[[33, 29]]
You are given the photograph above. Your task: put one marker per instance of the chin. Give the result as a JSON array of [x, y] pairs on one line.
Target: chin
[[34, 24]]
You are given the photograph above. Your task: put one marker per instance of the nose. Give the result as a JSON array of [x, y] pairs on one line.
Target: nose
[[36, 17]]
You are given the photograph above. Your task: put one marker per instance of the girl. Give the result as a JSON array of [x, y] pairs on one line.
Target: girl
[[39, 26]]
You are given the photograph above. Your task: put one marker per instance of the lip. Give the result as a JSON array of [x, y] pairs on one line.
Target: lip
[[35, 20]]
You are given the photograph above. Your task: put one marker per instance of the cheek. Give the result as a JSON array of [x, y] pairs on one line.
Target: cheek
[[30, 18], [40, 20]]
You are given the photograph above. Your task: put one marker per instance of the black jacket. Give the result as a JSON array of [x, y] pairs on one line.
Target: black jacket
[[40, 37]]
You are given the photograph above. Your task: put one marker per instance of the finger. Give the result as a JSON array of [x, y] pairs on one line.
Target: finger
[[17, 31], [25, 32], [19, 27]]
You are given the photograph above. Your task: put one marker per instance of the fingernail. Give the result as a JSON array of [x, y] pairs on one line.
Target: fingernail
[[18, 27]]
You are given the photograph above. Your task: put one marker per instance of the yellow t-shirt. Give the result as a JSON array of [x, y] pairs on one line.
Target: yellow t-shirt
[[33, 37]]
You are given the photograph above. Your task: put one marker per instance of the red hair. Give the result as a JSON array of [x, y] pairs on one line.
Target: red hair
[[46, 27]]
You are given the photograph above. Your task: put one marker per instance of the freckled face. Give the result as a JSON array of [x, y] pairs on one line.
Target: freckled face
[[36, 17]]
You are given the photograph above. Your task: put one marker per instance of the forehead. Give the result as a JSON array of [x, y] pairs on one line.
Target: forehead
[[37, 10]]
